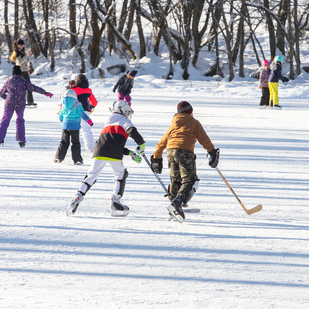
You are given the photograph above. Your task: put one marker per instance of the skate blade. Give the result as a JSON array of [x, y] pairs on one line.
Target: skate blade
[[71, 209], [119, 213], [191, 210], [174, 213]]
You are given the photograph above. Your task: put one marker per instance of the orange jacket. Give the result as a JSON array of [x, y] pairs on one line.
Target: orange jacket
[[183, 134]]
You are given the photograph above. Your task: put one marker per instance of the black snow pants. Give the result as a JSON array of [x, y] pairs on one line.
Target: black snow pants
[[65, 143]]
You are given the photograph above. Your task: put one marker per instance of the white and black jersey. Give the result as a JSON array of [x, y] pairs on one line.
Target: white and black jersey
[[111, 143]]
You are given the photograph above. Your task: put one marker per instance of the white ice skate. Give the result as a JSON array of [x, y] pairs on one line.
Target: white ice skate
[[118, 209], [74, 204]]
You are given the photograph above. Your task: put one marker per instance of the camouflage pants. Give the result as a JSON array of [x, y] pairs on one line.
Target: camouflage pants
[[182, 172]]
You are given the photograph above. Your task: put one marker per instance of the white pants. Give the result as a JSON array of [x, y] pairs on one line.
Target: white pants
[[87, 135], [95, 169]]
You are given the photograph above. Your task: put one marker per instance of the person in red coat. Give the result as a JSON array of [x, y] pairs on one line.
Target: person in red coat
[[89, 102]]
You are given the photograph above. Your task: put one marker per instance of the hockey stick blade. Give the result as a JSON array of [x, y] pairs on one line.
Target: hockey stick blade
[[254, 209], [248, 211]]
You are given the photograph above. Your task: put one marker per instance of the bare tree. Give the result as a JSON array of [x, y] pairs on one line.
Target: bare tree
[[6, 26]]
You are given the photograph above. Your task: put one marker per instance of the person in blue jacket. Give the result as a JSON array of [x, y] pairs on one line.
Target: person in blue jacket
[[71, 114], [273, 80]]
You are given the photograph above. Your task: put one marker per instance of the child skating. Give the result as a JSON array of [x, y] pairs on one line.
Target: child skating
[[85, 95], [264, 76], [179, 142], [71, 114], [273, 81], [110, 148], [125, 85], [14, 93]]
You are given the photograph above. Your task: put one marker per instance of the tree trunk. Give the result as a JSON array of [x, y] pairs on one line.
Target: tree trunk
[[271, 32], [34, 39], [297, 48], [142, 52], [72, 23], [283, 15], [6, 26], [123, 15], [45, 4], [16, 19]]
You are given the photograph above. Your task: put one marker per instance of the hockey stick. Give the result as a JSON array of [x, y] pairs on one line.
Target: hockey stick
[[157, 176], [248, 211]]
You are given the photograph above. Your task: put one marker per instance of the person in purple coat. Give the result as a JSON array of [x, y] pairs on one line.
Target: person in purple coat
[[14, 94]]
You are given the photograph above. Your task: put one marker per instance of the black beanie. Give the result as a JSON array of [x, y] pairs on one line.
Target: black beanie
[[184, 107], [20, 42], [16, 70]]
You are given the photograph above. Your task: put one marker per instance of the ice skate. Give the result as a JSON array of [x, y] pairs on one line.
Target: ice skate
[[74, 204], [175, 209], [118, 209]]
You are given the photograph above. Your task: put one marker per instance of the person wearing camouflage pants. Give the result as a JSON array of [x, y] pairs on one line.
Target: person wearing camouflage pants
[[179, 142]]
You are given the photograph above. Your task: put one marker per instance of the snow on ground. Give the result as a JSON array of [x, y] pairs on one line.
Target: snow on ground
[[218, 258]]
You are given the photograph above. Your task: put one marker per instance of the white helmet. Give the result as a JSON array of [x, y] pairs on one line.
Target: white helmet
[[70, 93], [122, 107]]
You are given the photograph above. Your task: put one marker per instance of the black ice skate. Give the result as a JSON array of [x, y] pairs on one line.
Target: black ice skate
[[175, 209], [118, 209]]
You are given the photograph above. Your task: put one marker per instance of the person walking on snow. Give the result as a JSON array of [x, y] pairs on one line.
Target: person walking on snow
[[110, 148], [14, 92], [84, 94], [179, 141], [125, 85], [71, 114], [273, 80], [264, 75], [20, 57]]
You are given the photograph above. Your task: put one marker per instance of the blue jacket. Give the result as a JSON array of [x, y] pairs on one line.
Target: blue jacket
[[71, 114]]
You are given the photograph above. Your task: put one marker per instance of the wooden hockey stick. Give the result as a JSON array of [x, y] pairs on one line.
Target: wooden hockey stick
[[248, 211]]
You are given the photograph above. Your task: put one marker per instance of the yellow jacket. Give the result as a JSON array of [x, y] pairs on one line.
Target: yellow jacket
[[183, 134]]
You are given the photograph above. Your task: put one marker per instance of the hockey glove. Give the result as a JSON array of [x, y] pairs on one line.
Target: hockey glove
[[156, 165], [90, 122], [135, 157], [48, 94], [140, 149], [214, 158]]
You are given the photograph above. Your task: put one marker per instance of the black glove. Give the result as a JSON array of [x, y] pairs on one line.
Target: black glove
[[156, 165], [214, 157], [114, 89], [285, 79]]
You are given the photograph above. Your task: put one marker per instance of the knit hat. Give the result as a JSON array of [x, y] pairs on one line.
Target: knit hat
[[184, 107], [20, 42], [70, 93], [265, 62], [133, 73], [16, 70]]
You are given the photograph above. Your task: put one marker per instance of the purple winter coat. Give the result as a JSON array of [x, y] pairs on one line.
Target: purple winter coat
[[14, 91]]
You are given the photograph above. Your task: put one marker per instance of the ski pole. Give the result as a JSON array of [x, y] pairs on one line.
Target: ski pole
[[248, 211], [157, 176]]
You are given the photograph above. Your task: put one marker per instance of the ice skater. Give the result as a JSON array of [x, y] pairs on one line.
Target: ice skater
[[85, 96], [179, 142], [14, 93], [264, 76], [110, 148], [125, 85], [273, 81], [70, 115]]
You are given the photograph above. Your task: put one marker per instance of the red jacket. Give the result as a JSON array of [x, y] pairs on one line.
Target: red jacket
[[84, 93]]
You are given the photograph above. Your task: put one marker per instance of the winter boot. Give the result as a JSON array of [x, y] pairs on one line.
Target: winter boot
[[118, 209], [175, 209], [22, 144], [74, 204]]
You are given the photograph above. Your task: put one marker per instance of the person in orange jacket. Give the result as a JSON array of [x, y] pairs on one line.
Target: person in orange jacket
[[85, 96], [179, 142]]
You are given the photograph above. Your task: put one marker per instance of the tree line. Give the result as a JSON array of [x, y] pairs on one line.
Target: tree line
[[183, 28]]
